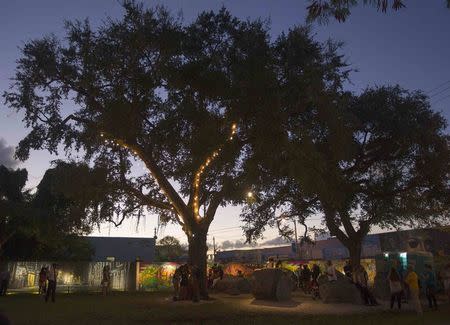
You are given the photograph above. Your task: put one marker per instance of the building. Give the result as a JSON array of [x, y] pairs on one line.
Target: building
[[122, 249], [435, 241]]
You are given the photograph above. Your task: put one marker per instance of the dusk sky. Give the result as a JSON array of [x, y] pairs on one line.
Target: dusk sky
[[410, 48]]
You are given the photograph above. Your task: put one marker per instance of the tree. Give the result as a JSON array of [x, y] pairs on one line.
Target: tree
[[169, 249], [12, 203], [382, 159], [340, 9], [49, 223], [193, 103]]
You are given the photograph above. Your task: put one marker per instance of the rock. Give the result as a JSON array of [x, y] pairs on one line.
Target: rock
[[233, 285], [340, 291], [284, 289], [271, 284]]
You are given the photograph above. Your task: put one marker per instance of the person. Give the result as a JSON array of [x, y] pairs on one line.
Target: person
[[430, 286], [412, 280], [240, 274], [331, 272], [43, 280], [315, 272], [395, 286], [176, 283], [194, 276], [106, 280], [361, 280], [305, 276], [348, 270], [184, 282], [445, 274], [220, 271], [4, 282], [52, 276]]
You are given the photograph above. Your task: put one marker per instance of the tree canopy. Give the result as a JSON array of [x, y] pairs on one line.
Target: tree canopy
[[192, 102], [169, 249], [379, 158], [49, 223], [322, 10]]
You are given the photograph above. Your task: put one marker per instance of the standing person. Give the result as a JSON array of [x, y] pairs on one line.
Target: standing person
[[412, 280], [176, 283], [331, 272], [195, 282], [52, 276], [430, 286], [446, 280], [361, 279], [315, 272], [348, 270], [395, 286], [305, 276], [4, 282], [106, 280], [184, 282], [43, 280]]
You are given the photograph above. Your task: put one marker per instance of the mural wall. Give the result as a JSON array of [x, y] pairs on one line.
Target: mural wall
[[73, 276]]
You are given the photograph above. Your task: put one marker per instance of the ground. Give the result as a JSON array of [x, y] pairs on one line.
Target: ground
[[157, 308]]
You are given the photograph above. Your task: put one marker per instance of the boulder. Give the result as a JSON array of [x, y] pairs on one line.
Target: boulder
[[340, 291], [271, 284], [233, 285]]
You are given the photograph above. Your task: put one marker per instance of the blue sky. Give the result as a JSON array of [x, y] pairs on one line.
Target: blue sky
[[410, 48]]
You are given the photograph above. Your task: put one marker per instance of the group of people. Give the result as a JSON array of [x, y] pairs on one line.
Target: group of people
[[186, 283], [410, 286], [215, 273], [47, 281]]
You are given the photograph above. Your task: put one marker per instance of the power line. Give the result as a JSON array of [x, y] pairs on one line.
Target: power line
[[435, 88], [440, 100], [442, 91]]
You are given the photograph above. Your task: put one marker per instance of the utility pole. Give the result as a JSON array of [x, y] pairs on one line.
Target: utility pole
[[214, 249], [296, 238]]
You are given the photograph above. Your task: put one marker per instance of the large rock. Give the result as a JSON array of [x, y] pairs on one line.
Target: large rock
[[233, 285], [340, 291], [271, 284]]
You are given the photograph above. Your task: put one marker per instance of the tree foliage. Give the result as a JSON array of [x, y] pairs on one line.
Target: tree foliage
[[379, 158], [322, 10], [169, 249], [47, 224], [192, 102]]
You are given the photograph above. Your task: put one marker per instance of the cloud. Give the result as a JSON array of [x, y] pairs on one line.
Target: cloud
[[7, 155], [277, 241]]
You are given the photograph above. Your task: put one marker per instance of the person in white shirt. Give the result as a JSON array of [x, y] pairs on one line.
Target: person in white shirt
[[331, 272], [52, 275]]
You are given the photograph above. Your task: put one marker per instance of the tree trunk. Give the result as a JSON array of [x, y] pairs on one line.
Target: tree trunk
[[355, 249], [197, 252]]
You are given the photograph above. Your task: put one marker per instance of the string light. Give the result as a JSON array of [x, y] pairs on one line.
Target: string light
[[201, 169]]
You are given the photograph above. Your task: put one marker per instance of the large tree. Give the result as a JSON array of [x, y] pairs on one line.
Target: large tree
[[380, 158], [191, 102]]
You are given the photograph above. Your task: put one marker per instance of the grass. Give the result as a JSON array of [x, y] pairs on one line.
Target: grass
[[157, 308]]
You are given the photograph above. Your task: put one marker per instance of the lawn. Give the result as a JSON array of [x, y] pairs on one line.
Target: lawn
[[157, 308]]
